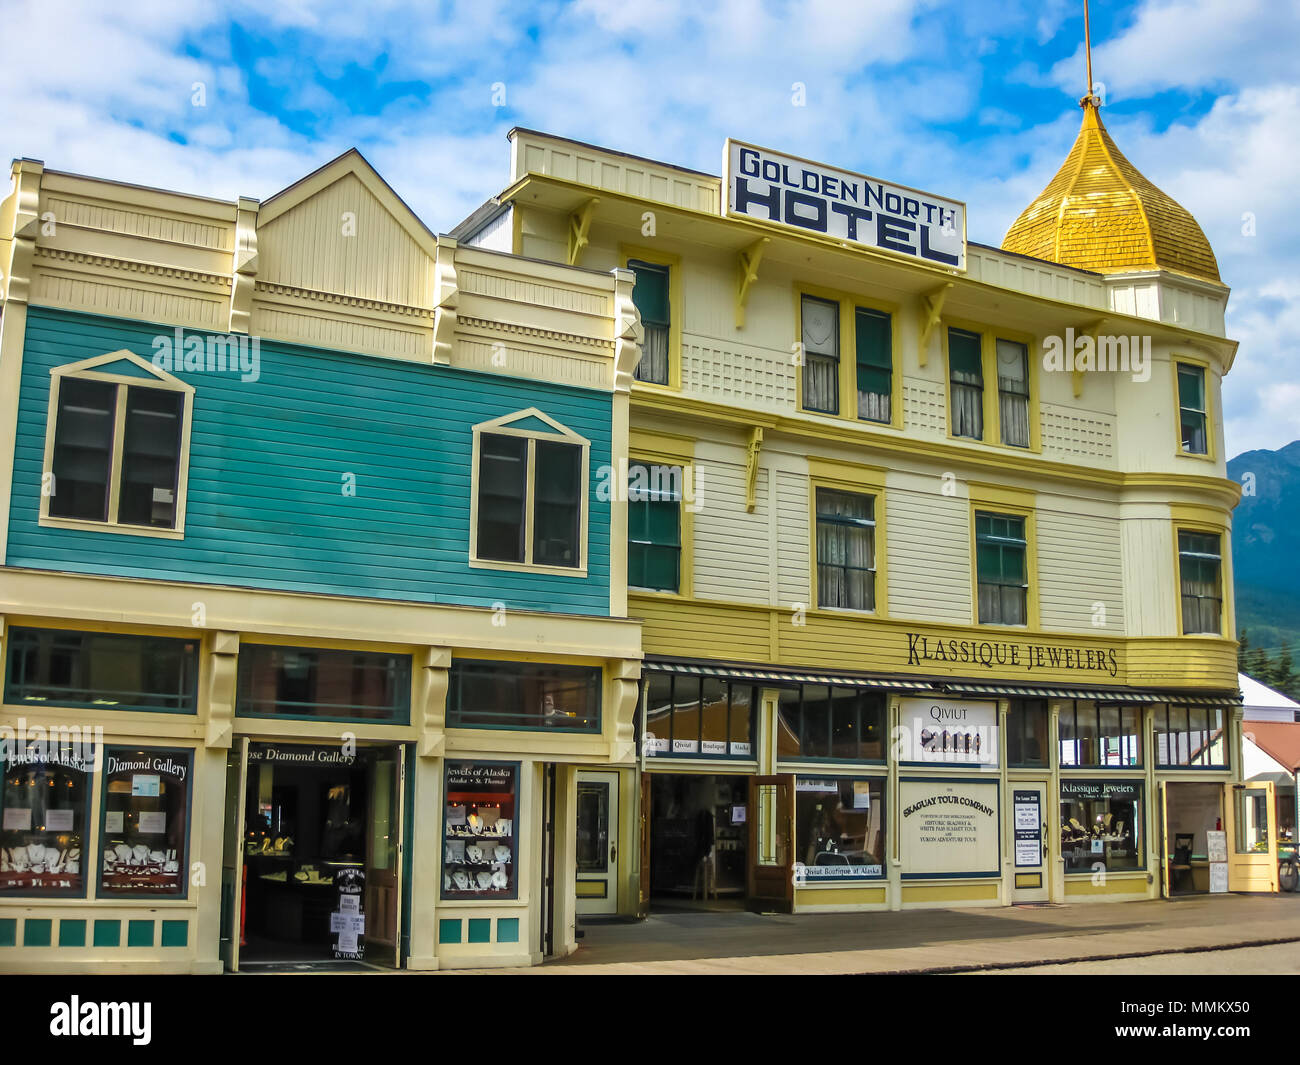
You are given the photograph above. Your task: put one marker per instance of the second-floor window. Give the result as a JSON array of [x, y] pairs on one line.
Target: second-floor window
[[1002, 567], [654, 527], [966, 383], [116, 453], [820, 324], [846, 550], [875, 364], [1013, 392], [1192, 409], [529, 500], [650, 294], [1200, 575]]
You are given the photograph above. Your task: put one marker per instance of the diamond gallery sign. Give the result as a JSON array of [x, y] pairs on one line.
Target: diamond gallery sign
[[772, 187]]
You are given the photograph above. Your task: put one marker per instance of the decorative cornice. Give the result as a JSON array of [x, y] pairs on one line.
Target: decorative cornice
[[108, 262], [534, 331], [318, 296]]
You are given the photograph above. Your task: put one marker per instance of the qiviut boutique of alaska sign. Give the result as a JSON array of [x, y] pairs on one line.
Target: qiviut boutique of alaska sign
[[771, 187], [950, 828]]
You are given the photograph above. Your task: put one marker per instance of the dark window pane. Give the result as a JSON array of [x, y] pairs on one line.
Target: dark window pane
[[875, 364], [502, 488], [744, 699], [789, 723], [1101, 823], [83, 449], [510, 695], [1027, 724], [713, 717], [815, 727], [311, 682], [658, 713], [654, 527], [99, 669], [557, 519], [839, 829], [151, 449]]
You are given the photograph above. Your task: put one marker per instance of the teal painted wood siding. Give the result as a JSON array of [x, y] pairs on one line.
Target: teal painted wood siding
[[266, 507]]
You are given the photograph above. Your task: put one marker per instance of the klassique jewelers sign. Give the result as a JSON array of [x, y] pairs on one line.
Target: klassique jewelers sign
[[1010, 654]]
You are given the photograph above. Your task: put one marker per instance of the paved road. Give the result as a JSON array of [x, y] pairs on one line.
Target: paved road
[[1282, 959], [928, 940]]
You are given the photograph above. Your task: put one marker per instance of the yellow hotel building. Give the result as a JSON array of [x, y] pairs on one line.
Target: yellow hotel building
[[929, 539]]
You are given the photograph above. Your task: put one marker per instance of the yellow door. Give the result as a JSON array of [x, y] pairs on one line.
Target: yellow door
[[597, 842], [1252, 847]]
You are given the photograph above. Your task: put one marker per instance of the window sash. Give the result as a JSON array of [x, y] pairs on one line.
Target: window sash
[[875, 356], [1013, 392], [1192, 409], [523, 483], [821, 722], [1200, 582], [321, 683], [683, 719], [846, 550]]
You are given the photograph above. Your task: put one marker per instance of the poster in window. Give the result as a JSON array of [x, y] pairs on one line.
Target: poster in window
[[479, 825], [44, 794], [146, 821], [950, 828], [950, 731]]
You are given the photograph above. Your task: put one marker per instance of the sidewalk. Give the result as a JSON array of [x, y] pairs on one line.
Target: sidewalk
[[925, 941]]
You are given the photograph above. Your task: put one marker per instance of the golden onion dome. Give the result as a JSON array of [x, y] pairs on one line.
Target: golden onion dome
[[1099, 213]]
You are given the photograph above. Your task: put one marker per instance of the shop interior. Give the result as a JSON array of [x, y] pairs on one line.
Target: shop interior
[[1191, 810], [699, 839], [314, 832]]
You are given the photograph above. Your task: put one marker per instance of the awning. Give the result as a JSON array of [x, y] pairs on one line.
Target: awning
[[917, 686], [1104, 695]]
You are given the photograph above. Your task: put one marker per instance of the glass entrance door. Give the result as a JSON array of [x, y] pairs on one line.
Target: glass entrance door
[[771, 843], [1029, 842], [384, 855], [1252, 845], [232, 858], [597, 882]]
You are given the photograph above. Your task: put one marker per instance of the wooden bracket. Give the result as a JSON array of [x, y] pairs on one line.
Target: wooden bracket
[[446, 298], [1091, 330], [579, 225], [746, 274], [751, 466], [932, 311]]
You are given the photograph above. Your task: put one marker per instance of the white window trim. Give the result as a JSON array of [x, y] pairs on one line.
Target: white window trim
[[87, 369], [505, 426]]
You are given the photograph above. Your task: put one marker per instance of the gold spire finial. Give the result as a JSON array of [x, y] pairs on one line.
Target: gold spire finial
[[1088, 97]]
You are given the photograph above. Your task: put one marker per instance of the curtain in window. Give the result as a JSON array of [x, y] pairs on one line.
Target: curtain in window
[[846, 549], [821, 349], [1200, 581], [875, 364], [1000, 548], [1013, 392], [967, 384], [650, 294]]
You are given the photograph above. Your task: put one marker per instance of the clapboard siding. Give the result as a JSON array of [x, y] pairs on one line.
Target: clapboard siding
[[731, 544], [928, 550], [1153, 602], [1079, 567], [793, 542], [267, 465]]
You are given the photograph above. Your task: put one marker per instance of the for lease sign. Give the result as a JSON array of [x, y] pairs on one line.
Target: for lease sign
[[772, 187]]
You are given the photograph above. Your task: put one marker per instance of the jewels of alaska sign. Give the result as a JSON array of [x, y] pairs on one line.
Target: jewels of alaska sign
[[771, 187]]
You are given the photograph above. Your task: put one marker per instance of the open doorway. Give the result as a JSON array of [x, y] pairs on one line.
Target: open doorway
[[698, 841], [1191, 810], [321, 842]]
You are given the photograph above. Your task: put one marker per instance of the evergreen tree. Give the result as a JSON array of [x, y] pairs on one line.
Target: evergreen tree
[[1243, 651], [1283, 676], [1261, 666]]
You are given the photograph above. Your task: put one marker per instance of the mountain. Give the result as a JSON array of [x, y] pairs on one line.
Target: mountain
[[1266, 546]]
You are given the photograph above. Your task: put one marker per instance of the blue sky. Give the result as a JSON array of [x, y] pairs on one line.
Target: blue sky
[[970, 100]]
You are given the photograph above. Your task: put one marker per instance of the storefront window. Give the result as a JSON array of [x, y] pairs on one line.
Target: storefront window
[[46, 789], [479, 831], [699, 716], [839, 828], [1191, 735], [145, 836], [103, 670], [1027, 727], [519, 695], [826, 722], [1097, 734], [1101, 824], [308, 682]]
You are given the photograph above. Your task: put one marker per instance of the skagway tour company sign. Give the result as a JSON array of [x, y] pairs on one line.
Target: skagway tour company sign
[[773, 187], [1010, 654]]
